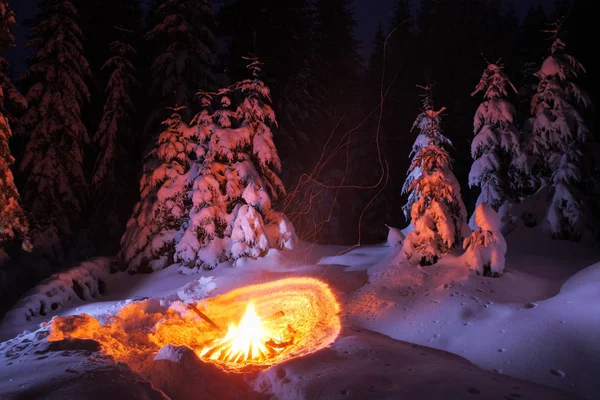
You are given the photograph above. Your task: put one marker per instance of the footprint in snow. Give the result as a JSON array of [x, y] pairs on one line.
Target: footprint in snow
[[530, 305], [558, 372]]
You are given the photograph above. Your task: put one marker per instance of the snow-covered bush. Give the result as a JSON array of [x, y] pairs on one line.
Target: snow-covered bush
[[395, 237], [209, 191], [437, 211], [559, 138], [499, 165], [86, 281], [486, 247]]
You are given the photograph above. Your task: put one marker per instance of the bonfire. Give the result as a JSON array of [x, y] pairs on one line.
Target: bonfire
[[266, 324]]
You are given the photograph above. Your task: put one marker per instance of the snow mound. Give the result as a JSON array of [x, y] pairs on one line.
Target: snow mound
[[395, 237], [584, 281], [32, 368], [87, 281], [197, 289], [486, 217], [486, 247], [366, 365]]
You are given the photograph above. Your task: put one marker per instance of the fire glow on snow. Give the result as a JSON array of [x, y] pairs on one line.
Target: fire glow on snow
[[267, 323]]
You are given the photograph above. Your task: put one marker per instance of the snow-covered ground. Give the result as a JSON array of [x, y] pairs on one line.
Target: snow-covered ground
[[532, 333]]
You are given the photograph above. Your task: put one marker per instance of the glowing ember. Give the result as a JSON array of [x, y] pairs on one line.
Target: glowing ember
[[250, 340]]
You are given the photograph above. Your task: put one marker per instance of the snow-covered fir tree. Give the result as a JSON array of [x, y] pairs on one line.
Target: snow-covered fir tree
[[157, 223], [56, 188], [183, 51], [12, 217], [233, 199], [209, 193], [114, 138], [486, 247], [437, 212], [285, 31], [558, 135], [499, 164]]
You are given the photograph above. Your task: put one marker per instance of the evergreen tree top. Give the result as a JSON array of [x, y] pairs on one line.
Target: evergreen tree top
[[427, 97], [555, 30], [494, 82], [429, 120], [559, 64], [254, 65], [254, 87]]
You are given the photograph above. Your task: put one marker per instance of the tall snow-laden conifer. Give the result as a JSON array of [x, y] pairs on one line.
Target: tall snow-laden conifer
[[56, 188], [436, 208], [558, 134], [183, 50], [12, 217], [114, 139], [499, 165], [209, 192]]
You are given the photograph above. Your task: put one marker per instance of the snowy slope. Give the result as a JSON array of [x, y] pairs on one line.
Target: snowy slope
[[519, 325], [538, 322]]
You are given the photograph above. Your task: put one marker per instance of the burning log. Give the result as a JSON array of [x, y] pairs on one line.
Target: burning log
[[204, 317], [276, 316], [278, 345], [247, 342]]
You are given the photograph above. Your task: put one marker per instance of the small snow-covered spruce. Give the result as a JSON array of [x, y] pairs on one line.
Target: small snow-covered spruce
[[499, 164], [161, 217], [114, 135], [56, 187], [437, 211], [12, 217], [558, 137], [428, 124], [232, 214], [486, 247]]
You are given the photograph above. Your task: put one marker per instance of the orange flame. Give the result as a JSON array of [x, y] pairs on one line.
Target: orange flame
[[250, 340], [306, 320]]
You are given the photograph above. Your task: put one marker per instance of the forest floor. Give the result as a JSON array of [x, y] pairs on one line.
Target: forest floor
[[407, 332]]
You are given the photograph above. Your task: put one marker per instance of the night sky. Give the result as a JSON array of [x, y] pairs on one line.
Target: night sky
[[367, 12]]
